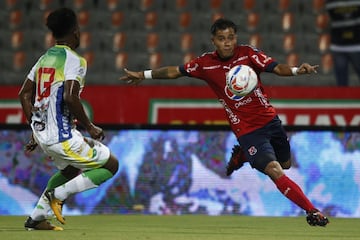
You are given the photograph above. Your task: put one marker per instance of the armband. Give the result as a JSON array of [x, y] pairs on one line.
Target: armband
[[294, 71], [148, 74]]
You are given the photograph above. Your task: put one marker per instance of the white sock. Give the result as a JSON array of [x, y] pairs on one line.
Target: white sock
[[78, 184], [41, 209]]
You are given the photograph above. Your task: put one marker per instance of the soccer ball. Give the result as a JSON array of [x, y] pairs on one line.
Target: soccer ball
[[241, 80]]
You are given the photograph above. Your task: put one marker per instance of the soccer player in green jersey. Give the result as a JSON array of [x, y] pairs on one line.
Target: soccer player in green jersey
[[50, 98]]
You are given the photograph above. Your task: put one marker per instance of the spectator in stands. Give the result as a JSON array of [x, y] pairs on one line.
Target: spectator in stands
[[345, 38], [252, 118], [50, 98]]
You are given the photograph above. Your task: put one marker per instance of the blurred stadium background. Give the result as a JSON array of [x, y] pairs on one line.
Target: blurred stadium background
[[140, 34]]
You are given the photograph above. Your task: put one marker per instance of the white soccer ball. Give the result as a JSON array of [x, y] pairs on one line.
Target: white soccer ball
[[241, 80]]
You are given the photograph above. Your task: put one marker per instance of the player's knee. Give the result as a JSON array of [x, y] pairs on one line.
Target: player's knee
[[112, 164], [286, 165], [274, 170], [70, 172], [262, 160]]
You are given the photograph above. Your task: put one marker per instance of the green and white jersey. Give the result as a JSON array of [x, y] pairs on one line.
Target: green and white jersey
[[51, 119]]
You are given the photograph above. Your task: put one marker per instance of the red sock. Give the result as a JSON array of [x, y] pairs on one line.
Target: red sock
[[293, 192]]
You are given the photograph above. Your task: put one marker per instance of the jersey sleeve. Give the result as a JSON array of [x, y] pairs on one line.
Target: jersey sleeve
[[264, 62], [75, 68], [31, 74], [192, 68]]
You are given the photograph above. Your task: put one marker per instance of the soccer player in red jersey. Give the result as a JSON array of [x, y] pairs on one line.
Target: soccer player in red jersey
[[252, 118]]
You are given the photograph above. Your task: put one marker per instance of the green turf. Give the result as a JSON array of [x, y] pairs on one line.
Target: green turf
[[138, 227]]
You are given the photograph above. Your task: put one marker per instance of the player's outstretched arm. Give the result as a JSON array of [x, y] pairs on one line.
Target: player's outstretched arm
[[286, 70], [26, 96], [135, 78], [72, 100]]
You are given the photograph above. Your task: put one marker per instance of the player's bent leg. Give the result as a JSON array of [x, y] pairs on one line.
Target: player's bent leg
[[62, 177], [286, 165], [56, 180], [293, 192], [87, 180], [41, 208], [289, 188], [40, 212], [112, 164], [274, 170], [70, 172], [93, 158], [56, 205]]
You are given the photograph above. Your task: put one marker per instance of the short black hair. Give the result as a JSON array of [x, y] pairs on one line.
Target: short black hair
[[221, 24], [61, 22]]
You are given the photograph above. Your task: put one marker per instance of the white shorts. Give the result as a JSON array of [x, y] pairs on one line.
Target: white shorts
[[80, 152]]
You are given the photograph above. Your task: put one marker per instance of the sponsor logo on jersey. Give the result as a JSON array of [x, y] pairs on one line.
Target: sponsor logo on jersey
[[244, 102], [256, 58], [190, 68], [39, 126], [82, 71], [212, 67], [239, 60], [94, 153], [231, 95], [65, 135], [232, 117], [227, 68]]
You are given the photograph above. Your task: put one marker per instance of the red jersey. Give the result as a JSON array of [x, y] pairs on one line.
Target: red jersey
[[245, 114]]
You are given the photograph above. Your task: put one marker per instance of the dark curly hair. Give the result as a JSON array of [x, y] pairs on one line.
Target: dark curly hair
[[221, 24], [61, 22]]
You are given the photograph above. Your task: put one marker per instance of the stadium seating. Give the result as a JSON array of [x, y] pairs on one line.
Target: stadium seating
[[143, 33], [177, 6], [112, 5]]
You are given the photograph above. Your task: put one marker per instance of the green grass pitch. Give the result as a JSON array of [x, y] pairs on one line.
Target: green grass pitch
[[199, 227]]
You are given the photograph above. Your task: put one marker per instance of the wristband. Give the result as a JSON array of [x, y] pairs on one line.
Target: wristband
[[148, 74], [294, 71]]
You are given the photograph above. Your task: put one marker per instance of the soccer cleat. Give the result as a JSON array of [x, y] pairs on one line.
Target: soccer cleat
[[31, 224], [236, 161], [316, 218], [56, 205]]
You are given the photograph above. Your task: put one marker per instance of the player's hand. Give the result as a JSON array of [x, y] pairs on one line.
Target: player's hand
[[306, 68], [132, 77], [96, 132], [31, 145]]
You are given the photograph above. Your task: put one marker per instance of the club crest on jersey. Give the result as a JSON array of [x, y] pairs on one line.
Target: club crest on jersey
[[231, 95], [191, 68], [82, 71], [252, 150]]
